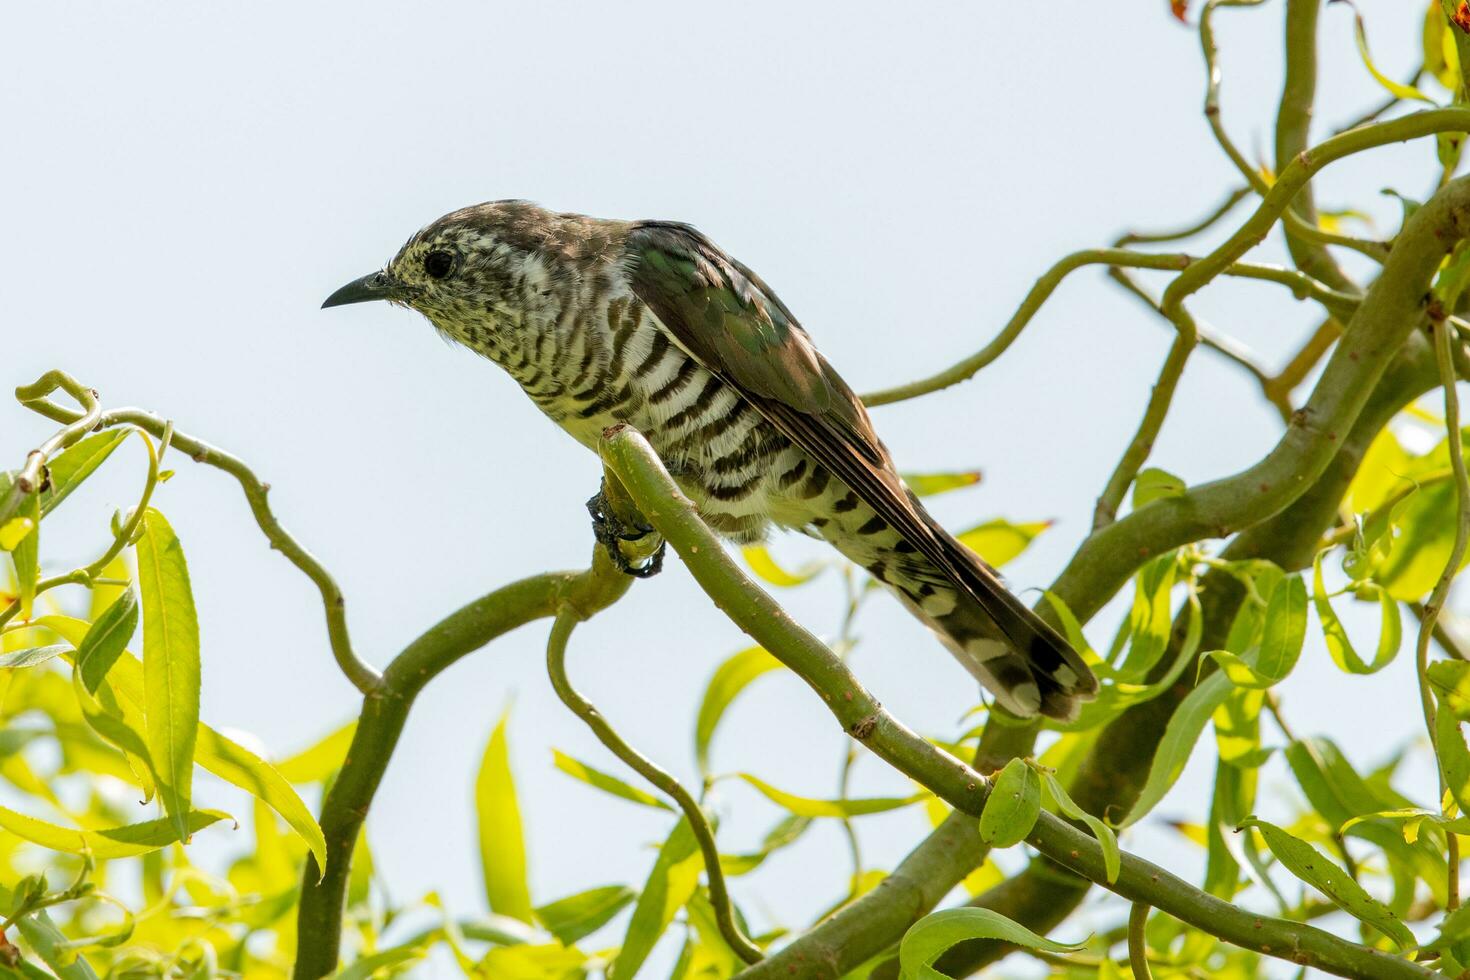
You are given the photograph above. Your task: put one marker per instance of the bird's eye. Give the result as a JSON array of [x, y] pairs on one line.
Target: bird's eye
[[438, 264]]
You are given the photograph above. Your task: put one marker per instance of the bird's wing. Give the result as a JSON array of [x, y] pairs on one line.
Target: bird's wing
[[735, 326]]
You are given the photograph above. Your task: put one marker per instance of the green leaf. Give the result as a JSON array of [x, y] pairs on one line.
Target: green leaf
[[670, 884], [502, 841], [806, 807], [1450, 680], [1338, 645], [765, 567], [933, 935], [730, 678], [1397, 89], [119, 727], [1238, 729], [1013, 805], [69, 468], [33, 656], [786, 832], [170, 663], [578, 916], [1316, 869], [1155, 484], [218, 754], [107, 843], [604, 781], [107, 639], [367, 967], [320, 761], [933, 484], [1112, 855], [1454, 756], [1183, 731], [27, 554], [14, 531], [999, 541]]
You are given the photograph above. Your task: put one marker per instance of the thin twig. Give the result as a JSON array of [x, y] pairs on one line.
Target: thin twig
[[1137, 943], [1447, 377], [32, 474], [362, 675], [567, 618]]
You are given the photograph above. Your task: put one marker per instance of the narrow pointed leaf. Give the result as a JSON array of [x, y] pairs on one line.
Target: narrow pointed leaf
[[804, 806], [1180, 736], [1013, 805], [319, 762], [69, 468], [933, 484], [1338, 645], [217, 753], [1112, 854], [27, 555], [933, 935], [766, 567], [1454, 757], [578, 916], [107, 639], [1316, 869], [109, 843], [604, 781], [999, 541], [730, 678], [502, 839], [170, 664], [670, 884], [33, 656]]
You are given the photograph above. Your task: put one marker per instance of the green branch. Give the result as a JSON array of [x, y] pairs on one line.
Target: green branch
[[384, 712], [862, 717], [1391, 309]]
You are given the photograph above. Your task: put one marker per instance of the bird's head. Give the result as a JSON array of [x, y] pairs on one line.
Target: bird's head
[[483, 266]]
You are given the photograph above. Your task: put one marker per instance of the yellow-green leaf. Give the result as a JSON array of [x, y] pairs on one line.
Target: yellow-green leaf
[[606, 782], [578, 916], [999, 541], [934, 934], [108, 843], [170, 664], [730, 678], [1013, 805], [219, 755], [1397, 89], [69, 468], [502, 840], [1338, 645], [320, 761], [933, 484], [806, 807], [1155, 484], [1112, 854], [764, 566], [14, 531], [107, 639], [670, 884], [1316, 869], [27, 554]]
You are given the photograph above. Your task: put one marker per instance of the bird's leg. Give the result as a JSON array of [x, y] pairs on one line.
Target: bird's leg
[[611, 531]]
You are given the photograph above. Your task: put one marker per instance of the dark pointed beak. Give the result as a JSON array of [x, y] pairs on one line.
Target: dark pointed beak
[[375, 285]]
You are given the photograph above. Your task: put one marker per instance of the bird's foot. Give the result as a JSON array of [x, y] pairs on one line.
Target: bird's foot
[[611, 532]]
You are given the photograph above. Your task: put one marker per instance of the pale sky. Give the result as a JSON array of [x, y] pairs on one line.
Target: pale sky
[[185, 183]]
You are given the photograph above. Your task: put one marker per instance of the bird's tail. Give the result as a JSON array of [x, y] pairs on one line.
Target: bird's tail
[[1024, 662]]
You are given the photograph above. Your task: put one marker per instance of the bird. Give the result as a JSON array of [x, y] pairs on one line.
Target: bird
[[651, 324]]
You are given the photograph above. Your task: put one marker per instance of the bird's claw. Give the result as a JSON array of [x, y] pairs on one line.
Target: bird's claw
[[610, 531]]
